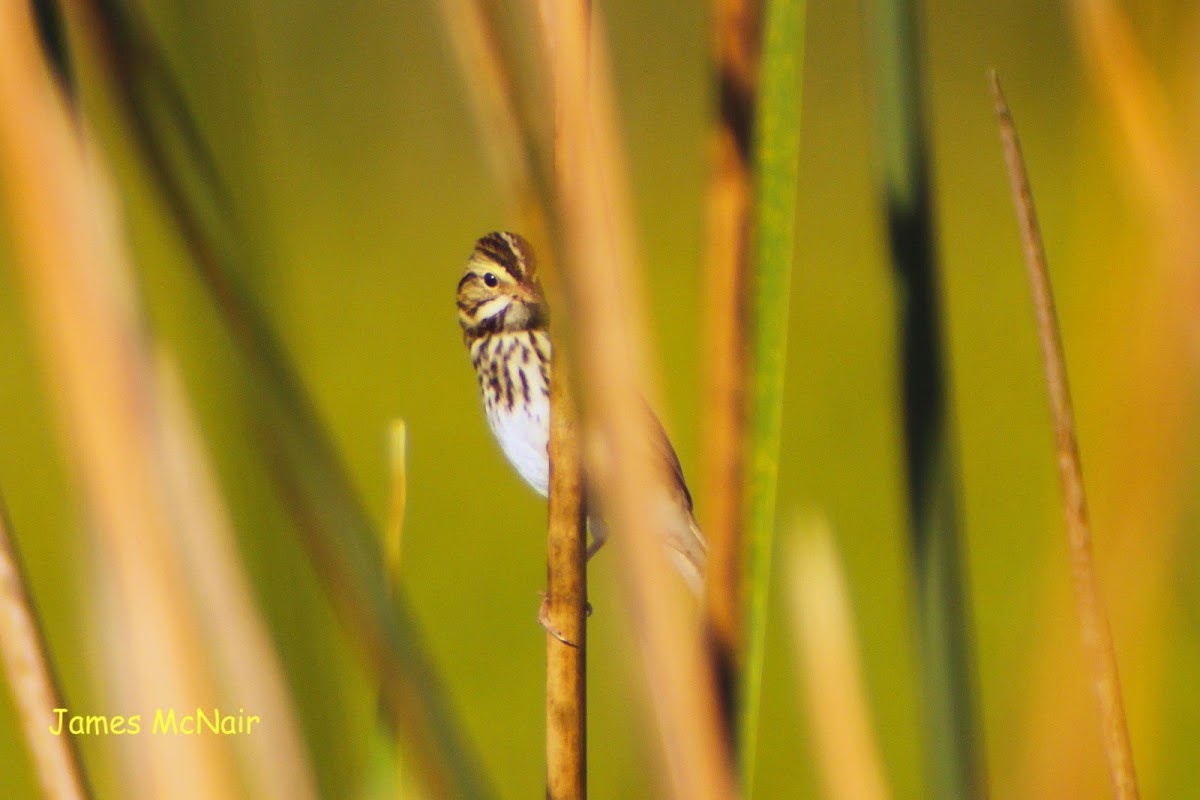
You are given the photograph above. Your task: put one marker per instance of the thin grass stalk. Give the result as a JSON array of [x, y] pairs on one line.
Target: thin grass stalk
[[276, 764], [318, 493], [776, 178], [827, 652], [956, 766], [86, 316], [1093, 618], [32, 679], [393, 546], [736, 44], [504, 118], [390, 781], [473, 33], [697, 761], [1148, 388]]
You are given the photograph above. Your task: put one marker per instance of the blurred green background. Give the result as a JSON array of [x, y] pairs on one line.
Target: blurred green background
[[345, 136]]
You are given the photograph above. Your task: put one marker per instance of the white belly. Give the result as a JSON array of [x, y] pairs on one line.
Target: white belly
[[516, 398], [523, 434]]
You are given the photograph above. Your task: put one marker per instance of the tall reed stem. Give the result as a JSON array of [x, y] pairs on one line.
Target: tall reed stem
[[736, 44], [566, 600], [566, 545], [589, 234], [1089, 602]]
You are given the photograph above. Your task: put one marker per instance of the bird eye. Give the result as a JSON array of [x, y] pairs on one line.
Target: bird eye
[[491, 280]]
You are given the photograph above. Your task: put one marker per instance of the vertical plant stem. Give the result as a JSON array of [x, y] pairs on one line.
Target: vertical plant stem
[[276, 767], [1093, 619], [393, 550], [566, 563], [776, 168], [94, 345], [827, 654], [942, 598], [484, 61], [393, 545], [681, 689], [318, 493], [566, 599], [736, 44], [1145, 489], [32, 680]]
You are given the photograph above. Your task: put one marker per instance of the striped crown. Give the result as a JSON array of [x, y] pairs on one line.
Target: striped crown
[[499, 290]]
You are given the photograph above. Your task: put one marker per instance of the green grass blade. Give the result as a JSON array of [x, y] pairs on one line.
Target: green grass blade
[[776, 164], [942, 600]]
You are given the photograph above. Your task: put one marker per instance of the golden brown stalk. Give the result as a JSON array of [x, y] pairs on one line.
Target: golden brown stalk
[[32, 681], [1141, 483], [277, 764], [1097, 638], [827, 653], [566, 639], [736, 44], [566, 599], [682, 688], [84, 309], [1137, 100], [487, 76], [393, 548]]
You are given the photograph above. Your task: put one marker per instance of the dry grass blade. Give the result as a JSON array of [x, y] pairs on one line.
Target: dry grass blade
[[92, 340], [736, 45], [1124, 76], [1097, 638], [31, 678], [341, 538], [1141, 485], [681, 687], [276, 763], [488, 77], [827, 652], [393, 546]]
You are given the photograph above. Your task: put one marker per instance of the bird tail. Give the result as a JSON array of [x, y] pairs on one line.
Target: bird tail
[[689, 554], [685, 545]]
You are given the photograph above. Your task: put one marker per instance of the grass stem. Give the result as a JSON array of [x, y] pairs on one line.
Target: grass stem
[[341, 538], [1089, 602], [682, 690], [736, 45], [776, 180], [827, 657], [31, 677], [566, 599], [566, 535]]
